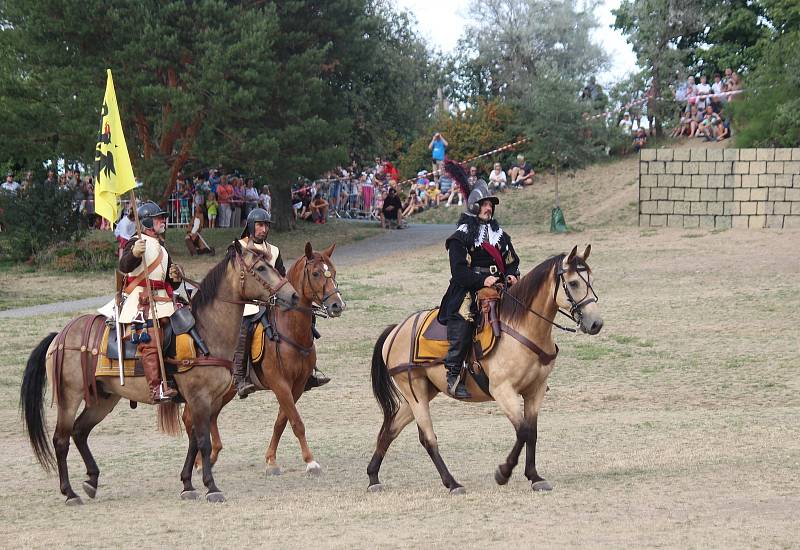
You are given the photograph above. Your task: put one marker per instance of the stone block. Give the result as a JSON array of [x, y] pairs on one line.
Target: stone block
[[740, 222], [725, 167], [766, 180], [782, 208], [686, 181], [747, 154], [658, 220], [765, 207], [796, 209], [648, 207], [674, 220], [722, 222], [730, 154], [724, 194], [644, 193], [656, 167], [730, 208], [783, 180], [714, 154], [732, 181], [783, 154], [644, 220], [699, 208], [675, 193], [708, 194], [698, 154], [716, 181], [708, 168], [742, 194], [682, 207], [648, 180], [643, 166], [796, 153], [707, 222], [715, 208], [765, 154], [664, 154], [757, 222], [681, 154], [776, 193], [791, 222], [665, 207], [675, 167], [691, 167], [792, 195], [791, 167], [658, 193], [775, 222], [700, 181], [749, 181], [647, 154], [748, 208], [741, 167], [758, 167], [691, 195], [666, 180], [774, 167], [758, 194], [691, 222], [796, 180]]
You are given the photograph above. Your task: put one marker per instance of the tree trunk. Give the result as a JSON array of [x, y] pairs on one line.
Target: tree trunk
[[282, 219]]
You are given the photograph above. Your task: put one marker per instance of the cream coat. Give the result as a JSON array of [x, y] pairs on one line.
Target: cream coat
[[266, 248], [131, 306]]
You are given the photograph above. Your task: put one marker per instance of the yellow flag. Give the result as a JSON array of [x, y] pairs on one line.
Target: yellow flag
[[112, 165]]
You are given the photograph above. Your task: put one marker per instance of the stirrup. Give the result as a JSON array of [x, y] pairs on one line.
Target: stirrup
[[244, 388]]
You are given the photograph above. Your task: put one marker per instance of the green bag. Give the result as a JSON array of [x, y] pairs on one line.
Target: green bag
[[557, 223]]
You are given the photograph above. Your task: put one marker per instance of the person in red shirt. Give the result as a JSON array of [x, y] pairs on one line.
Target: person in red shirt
[[224, 194]]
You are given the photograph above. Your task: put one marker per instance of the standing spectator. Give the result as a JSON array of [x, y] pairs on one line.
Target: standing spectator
[[224, 194], [212, 207], [473, 176], [625, 124], [703, 91], [251, 197], [734, 85], [497, 178], [265, 199], [438, 148], [717, 88], [319, 209], [691, 91], [199, 198], [367, 192], [522, 173], [126, 228], [214, 179], [10, 185], [51, 178], [237, 202]]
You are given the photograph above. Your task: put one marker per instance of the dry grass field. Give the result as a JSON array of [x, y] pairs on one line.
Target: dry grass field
[[676, 426]]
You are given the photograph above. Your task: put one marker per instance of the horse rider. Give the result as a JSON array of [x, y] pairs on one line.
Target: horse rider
[[254, 236], [142, 258], [481, 255]]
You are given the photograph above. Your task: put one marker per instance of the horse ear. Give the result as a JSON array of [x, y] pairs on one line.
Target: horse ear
[[572, 254], [329, 251], [237, 246], [587, 252], [309, 251]]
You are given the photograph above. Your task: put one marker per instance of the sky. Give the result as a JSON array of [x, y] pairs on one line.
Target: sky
[[442, 21]]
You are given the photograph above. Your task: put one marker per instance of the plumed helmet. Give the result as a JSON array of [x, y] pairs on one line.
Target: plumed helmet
[[480, 191], [255, 215], [148, 211]]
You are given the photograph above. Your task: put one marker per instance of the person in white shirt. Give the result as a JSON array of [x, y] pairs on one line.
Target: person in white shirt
[[10, 185], [497, 178], [718, 87], [703, 89], [625, 124], [265, 199], [126, 228]]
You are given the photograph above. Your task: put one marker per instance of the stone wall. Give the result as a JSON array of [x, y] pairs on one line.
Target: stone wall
[[719, 188]]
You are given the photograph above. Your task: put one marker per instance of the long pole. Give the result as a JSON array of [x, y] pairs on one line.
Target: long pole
[[153, 315]]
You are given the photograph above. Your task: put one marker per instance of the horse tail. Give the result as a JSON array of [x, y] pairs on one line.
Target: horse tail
[[169, 418], [382, 386], [31, 403]]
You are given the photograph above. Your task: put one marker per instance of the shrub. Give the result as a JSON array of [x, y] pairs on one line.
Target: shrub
[[84, 255]]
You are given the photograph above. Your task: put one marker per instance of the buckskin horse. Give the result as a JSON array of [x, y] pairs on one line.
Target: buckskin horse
[[287, 360], [518, 365], [243, 276]]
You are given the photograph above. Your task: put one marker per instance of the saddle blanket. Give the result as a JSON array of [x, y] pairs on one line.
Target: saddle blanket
[[184, 349], [430, 341]]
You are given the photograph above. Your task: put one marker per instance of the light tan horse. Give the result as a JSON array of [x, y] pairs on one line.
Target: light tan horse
[[241, 277], [519, 365]]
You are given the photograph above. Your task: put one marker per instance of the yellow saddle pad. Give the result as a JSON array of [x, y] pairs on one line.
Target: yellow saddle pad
[[257, 344], [184, 349], [430, 340]]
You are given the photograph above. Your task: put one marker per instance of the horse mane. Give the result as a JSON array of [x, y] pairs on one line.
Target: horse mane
[[527, 288], [210, 283]]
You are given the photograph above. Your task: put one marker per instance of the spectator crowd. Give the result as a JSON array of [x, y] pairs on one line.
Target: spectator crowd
[[703, 106]]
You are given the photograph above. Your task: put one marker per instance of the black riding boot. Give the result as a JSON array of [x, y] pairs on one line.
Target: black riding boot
[[316, 379], [459, 338], [244, 386]]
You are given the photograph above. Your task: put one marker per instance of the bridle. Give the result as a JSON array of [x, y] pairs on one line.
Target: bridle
[[320, 310], [576, 306]]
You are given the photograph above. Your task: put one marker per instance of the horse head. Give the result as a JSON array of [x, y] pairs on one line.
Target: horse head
[[259, 280], [574, 292], [318, 280]]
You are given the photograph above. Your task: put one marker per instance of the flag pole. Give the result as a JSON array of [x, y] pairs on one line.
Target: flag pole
[[153, 314]]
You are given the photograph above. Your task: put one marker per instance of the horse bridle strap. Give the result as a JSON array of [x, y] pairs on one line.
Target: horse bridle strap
[[575, 306], [201, 362], [245, 268], [539, 315], [328, 275], [544, 357]]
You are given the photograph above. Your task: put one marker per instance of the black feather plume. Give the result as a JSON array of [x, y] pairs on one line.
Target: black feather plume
[[459, 175]]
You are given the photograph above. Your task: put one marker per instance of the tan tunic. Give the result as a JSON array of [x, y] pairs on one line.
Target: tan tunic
[[131, 306]]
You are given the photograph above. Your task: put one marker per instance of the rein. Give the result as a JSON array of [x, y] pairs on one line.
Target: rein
[[320, 310], [519, 302]]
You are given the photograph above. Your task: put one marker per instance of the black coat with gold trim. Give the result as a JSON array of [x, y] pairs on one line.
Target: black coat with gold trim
[[467, 253]]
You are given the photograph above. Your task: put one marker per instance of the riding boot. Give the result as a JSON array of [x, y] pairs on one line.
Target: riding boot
[[152, 372], [244, 386], [459, 339], [316, 379]]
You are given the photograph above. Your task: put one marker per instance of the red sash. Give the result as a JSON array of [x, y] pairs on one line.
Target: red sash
[[496, 256]]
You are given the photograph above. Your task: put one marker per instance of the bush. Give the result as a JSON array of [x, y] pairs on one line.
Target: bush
[[79, 256], [35, 218]]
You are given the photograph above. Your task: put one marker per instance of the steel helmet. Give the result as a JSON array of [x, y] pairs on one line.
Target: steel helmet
[[255, 215], [480, 192], [148, 211]]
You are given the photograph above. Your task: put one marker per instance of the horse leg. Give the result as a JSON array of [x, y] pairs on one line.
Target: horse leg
[[201, 422], [66, 419], [529, 431], [422, 413], [389, 431], [88, 419], [188, 492], [277, 431], [216, 439], [286, 399], [508, 401]]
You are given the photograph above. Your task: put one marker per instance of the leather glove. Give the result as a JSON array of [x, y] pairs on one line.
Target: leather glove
[[175, 273], [138, 248]]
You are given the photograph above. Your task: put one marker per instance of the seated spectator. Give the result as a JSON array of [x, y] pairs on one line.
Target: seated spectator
[[625, 124], [522, 173], [640, 140], [391, 211], [433, 194], [695, 118], [497, 178], [473, 176], [305, 205], [319, 209], [195, 243], [724, 128], [708, 128]]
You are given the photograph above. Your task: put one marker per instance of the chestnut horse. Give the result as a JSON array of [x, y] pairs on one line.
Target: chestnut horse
[[289, 359], [243, 276], [518, 365]]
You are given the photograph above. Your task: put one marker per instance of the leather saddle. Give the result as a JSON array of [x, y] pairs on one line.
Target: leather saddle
[[112, 351]]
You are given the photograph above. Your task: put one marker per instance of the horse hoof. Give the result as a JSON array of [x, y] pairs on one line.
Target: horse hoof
[[458, 491], [215, 497], [89, 489], [190, 495], [376, 488], [499, 477], [313, 469], [274, 470], [74, 501], [541, 485]]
